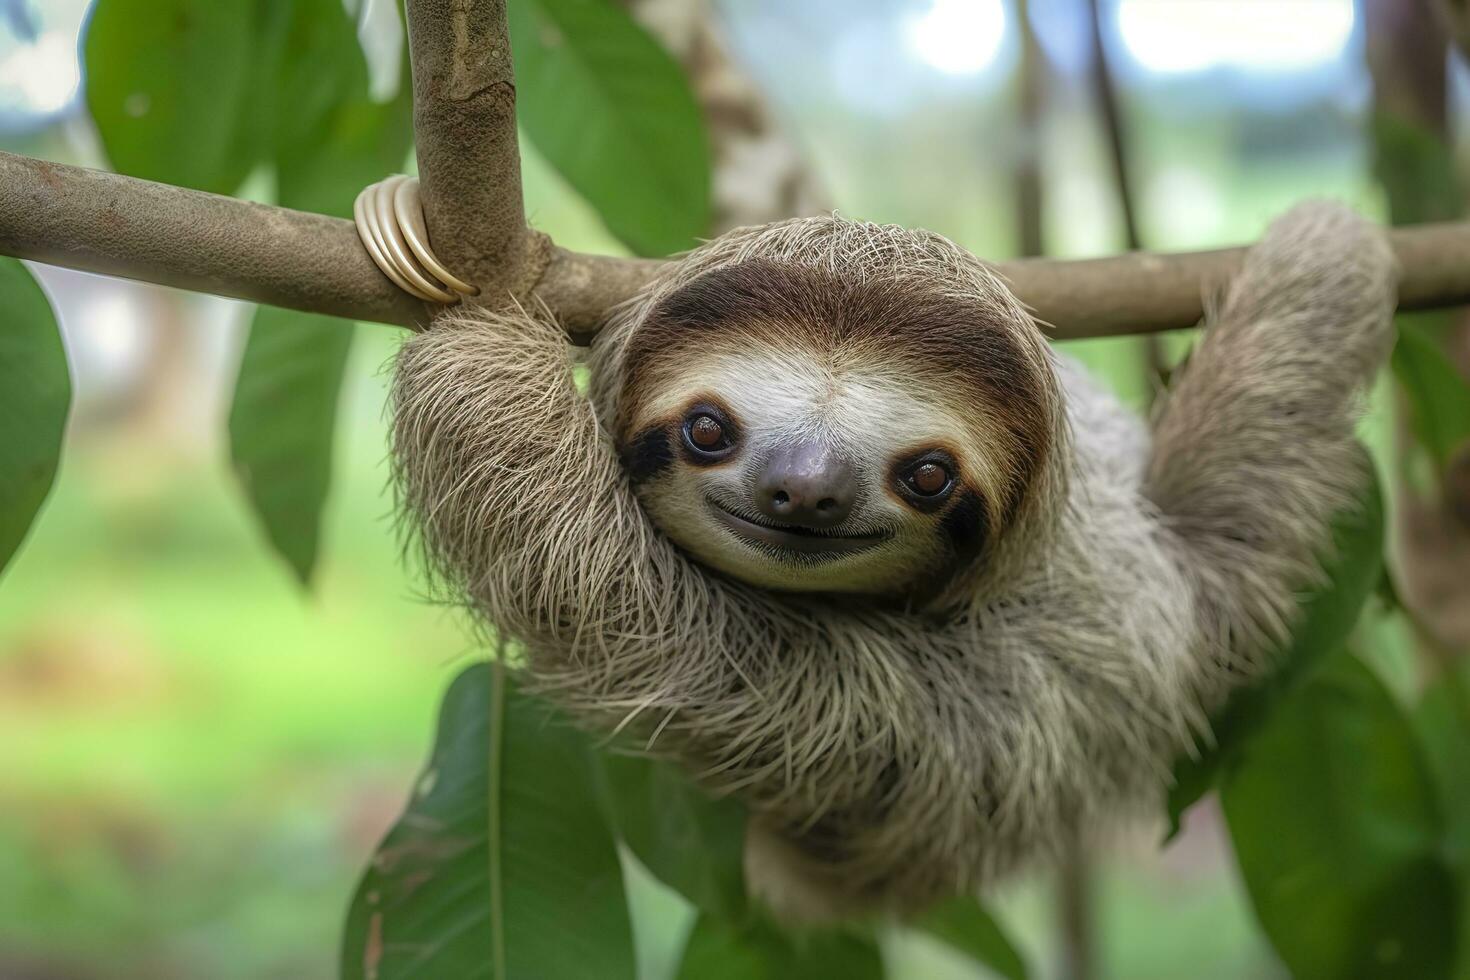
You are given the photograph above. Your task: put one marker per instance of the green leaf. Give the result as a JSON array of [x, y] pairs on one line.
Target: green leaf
[[1337, 830], [965, 925], [1328, 615], [331, 141], [169, 84], [1439, 398], [689, 841], [361, 143], [1417, 169], [719, 950], [199, 92], [608, 107], [282, 422], [35, 398], [1442, 718], [503, 865], [313, 64]]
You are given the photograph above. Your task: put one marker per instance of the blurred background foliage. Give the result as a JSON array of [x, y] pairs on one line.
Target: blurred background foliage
[[218, 676]]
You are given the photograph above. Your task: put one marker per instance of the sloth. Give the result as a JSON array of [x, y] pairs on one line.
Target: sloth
[[832, 525]]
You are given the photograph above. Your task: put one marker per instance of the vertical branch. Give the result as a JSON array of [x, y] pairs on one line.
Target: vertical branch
[[1115, 131], [464, 118], [1029, 214]]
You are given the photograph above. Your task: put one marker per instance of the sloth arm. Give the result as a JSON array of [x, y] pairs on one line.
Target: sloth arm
[[523, 508], [1254, 450]]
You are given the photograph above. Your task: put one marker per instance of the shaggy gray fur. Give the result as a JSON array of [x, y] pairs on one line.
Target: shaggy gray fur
[[892, 758]]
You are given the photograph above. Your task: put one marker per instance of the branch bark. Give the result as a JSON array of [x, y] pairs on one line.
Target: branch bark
[[137, 229], [464, 117], [121, 226]]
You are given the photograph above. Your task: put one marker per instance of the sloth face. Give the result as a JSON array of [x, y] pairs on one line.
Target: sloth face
[[850, 452], [790, 477]]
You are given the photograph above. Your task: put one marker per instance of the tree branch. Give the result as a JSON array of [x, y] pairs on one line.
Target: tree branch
[[464, 117], [120, 226]]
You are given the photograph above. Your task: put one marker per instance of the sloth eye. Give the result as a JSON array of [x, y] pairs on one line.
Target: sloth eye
[[928, 479], [707, 435]]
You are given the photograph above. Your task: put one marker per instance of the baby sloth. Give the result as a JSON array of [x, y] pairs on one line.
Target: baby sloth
[[835, 528]]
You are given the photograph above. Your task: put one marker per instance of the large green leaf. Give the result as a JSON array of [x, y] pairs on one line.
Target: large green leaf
[[282, 423], [965, 925], [1439, 398], [330, 140], [690, 842], [1417, 169], [503, 865], [1328, 615], [35, 397], [614, 114], [358, 144], [1338, 833], [1443, 720], [170, 84], [312, 63], [757, 950]]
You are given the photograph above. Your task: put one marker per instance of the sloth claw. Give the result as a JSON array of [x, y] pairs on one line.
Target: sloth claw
[[390, 221]]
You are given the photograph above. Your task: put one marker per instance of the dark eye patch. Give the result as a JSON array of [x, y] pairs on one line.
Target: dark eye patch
[[648, 454], [966, 525]]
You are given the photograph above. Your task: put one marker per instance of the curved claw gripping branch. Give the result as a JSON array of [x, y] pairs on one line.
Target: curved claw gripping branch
[[390, 221]]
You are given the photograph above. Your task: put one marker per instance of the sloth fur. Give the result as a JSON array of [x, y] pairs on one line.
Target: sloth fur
[[893, 753]]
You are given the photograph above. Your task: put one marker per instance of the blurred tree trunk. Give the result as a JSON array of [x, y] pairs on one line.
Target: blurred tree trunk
[[759, 173], [1456, 14], [1414, 161]]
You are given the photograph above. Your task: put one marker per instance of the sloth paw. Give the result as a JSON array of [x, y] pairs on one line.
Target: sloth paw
[[390, 222]]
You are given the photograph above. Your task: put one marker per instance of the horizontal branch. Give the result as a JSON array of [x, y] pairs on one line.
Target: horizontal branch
[[121, 226], [1146, 292]]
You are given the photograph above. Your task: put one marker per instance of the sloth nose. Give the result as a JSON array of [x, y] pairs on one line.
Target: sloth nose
[[807, 486]]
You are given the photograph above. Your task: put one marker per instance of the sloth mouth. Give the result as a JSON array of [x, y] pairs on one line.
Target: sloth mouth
[[768, 535]]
